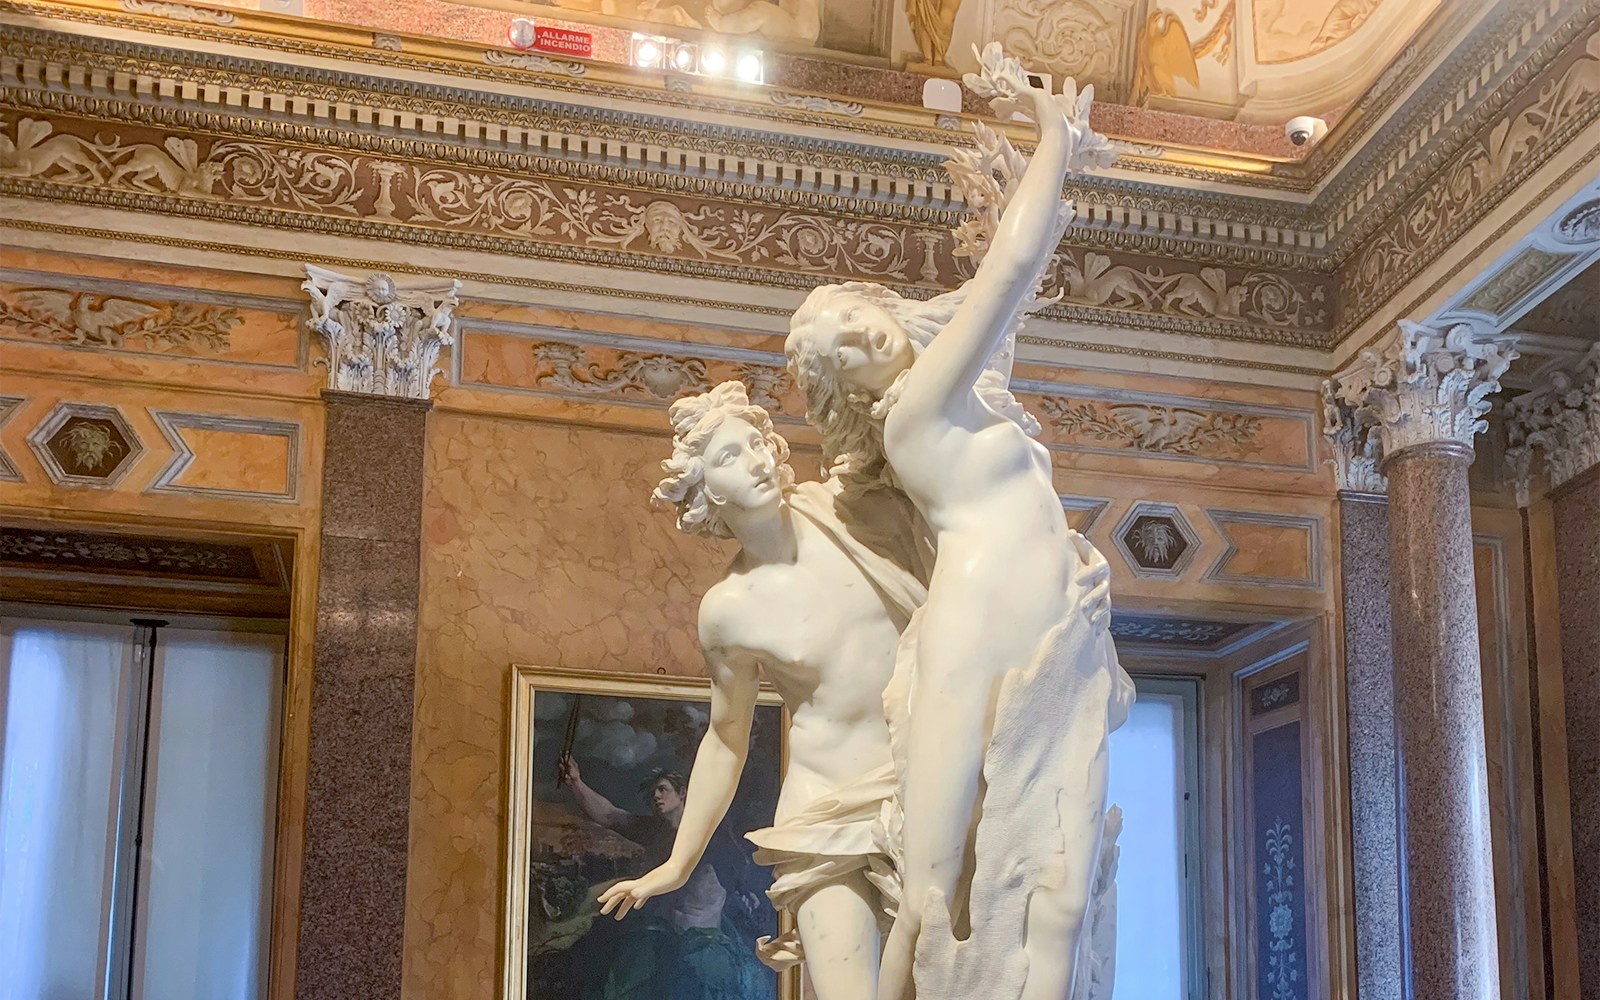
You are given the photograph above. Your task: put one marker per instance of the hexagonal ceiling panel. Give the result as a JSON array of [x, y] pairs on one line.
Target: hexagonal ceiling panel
[[86, 444], [1156, 540]]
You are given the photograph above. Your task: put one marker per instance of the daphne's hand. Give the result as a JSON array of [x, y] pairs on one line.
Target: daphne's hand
[[632, 894], [1002, 80]]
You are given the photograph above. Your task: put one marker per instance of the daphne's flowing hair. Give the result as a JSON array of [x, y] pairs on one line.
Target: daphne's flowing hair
[[694, 420], [848, 420]]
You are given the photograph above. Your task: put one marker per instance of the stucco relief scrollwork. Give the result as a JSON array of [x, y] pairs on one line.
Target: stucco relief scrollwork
[[85, 319], [1161, 430], [538, 64], [179, 11], [566, 367], [808, 102], [1518, 141], [1258, 296], [1077, 38]]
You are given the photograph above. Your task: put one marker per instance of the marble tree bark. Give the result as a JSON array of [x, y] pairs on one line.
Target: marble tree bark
[[1561, 422], [383, 343], [1417, 400]]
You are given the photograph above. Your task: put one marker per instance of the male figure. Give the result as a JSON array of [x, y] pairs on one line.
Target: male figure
[[820, 613]]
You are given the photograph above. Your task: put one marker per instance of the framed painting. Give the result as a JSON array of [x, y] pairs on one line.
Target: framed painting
[[598, 766]]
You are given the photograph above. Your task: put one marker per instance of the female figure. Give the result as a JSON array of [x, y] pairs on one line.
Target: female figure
[[1013, 589]]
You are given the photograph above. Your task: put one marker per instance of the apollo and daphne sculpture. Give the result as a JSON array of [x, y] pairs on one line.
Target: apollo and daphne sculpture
[[938, 631]]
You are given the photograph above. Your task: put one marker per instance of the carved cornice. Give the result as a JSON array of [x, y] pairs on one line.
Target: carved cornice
[[1418, 386], [1561, 420], [382, 337]]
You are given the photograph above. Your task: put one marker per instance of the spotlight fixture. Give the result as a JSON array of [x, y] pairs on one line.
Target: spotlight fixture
[[686, 57], [713, 61], [748, 68], [520, 34], [648, 51]]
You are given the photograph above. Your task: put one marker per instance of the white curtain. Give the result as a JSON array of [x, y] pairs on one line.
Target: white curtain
[[1148, 781], [60, 691], [205, 905]]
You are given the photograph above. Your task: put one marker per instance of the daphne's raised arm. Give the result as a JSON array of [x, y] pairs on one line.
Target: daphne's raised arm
[[1024, 240]]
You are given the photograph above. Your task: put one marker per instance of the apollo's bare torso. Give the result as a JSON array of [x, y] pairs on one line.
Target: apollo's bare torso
[[822, 634]]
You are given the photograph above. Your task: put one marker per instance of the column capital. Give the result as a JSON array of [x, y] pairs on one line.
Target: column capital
[[1561, 419], [1355, 447], [1420, 385], [382, 337]]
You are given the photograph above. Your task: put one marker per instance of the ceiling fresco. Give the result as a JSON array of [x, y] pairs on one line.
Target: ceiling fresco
[[1251, 63]]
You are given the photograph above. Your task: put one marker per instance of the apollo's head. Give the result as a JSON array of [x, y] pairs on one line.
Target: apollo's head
[[724, 454]]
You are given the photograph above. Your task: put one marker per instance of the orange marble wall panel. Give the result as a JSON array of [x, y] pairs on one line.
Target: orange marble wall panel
[[1267, 548], [540, 546], [250, 460]]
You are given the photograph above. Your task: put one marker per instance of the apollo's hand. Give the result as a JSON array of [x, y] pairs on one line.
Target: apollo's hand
[[632, 894], [1093, 580]]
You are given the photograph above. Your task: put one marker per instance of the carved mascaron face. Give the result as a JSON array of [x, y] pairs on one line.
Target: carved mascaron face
[[861, 343], [739, 467]]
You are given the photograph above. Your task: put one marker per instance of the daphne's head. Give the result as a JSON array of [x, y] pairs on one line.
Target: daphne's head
[[725, 454], [847, 345]]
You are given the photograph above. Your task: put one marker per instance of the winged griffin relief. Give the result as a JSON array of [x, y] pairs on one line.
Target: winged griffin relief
[[174, 167], [87, 319]]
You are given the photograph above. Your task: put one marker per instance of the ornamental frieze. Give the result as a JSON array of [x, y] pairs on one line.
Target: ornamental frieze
[[1558, 106], [284, 185]]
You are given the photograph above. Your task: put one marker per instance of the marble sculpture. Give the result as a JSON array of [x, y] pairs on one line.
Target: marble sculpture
[[939, 633]]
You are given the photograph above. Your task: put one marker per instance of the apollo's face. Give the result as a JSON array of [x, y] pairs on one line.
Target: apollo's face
[[740, 468], [862, 344]]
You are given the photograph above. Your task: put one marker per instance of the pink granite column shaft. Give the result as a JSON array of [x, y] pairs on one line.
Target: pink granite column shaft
[[1446, 892]]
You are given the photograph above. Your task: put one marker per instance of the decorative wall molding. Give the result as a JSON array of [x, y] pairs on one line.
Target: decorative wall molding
[[1156, 540], [85, 444], [1422, 386], [9, 405], [179, 11], [1091, 509], [1561, 420], [382, 337], [174, 423], [664, 377], [1223, 569], [91, 319]]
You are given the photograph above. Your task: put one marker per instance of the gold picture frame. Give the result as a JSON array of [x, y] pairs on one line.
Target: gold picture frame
[[522, 796]]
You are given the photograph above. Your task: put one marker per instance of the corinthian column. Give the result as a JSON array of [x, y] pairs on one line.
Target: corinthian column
[[383, 341], [1417, 401]]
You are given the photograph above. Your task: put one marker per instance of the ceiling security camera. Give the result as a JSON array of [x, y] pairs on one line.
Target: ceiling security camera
[[1305, 129]]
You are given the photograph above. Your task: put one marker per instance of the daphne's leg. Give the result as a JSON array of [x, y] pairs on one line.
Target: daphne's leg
[[952, 698], [1056, 916], [839, 931]]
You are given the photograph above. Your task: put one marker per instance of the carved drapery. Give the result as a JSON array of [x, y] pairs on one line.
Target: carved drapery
[[382, 337], [1421, 386], [1561, 420]]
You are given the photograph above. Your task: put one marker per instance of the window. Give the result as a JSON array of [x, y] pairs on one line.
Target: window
[[138, 788], [1155, 779]]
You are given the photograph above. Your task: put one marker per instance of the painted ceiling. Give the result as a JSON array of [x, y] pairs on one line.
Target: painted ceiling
[[1252, 62]]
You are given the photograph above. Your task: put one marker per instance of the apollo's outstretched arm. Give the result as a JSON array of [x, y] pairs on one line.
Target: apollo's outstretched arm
[[712, 784], [1025, 238]]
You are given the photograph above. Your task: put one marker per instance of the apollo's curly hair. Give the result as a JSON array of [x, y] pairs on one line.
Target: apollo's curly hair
[[694, 420], [852, 435]]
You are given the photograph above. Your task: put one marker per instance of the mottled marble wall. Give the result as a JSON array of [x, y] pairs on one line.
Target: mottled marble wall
[[1576, 508], [540, 547]]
